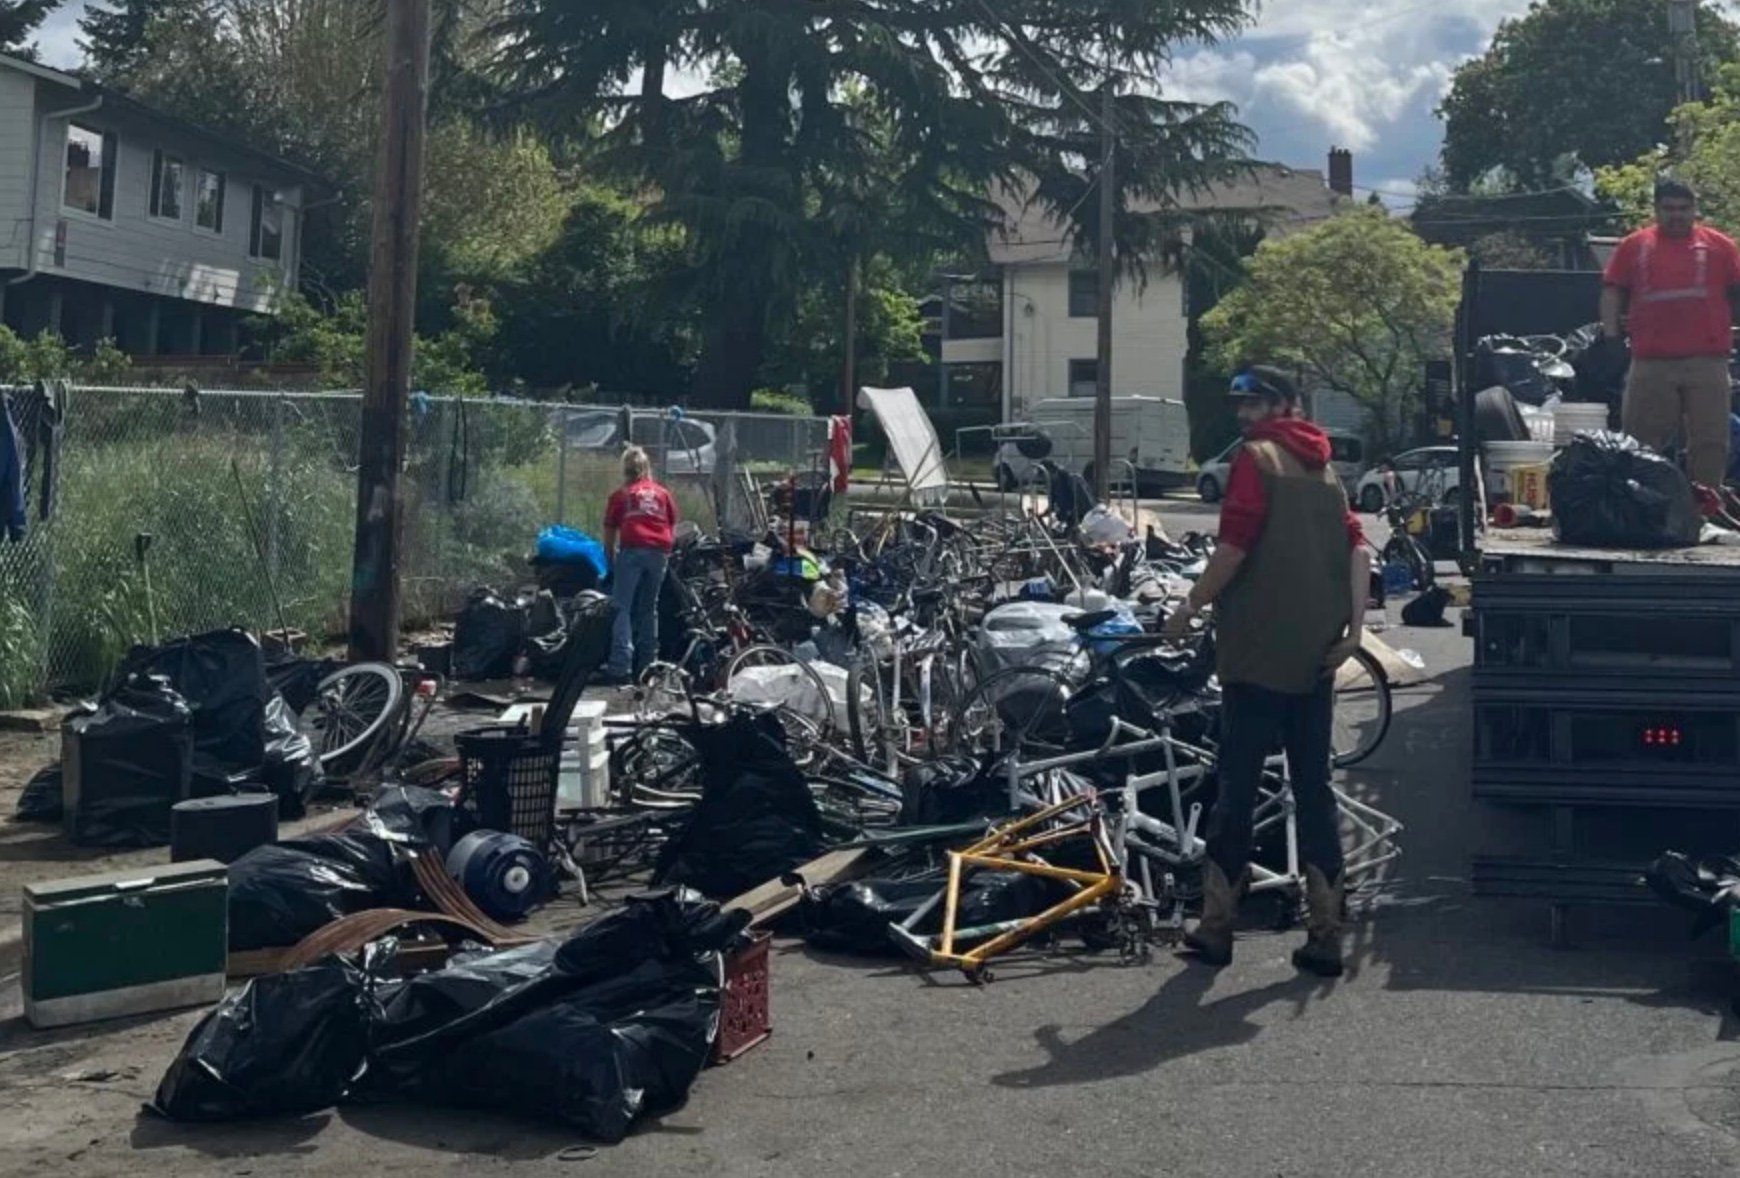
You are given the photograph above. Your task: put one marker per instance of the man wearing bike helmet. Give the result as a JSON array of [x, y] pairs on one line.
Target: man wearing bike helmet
[[1289, 578]]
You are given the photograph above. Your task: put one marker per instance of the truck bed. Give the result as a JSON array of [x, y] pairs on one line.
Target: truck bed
[[1515, 549]]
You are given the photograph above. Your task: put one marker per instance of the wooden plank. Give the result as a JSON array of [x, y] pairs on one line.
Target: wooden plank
[[772, 898]]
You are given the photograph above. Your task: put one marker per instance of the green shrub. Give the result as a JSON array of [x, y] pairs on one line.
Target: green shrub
[[780, 401]]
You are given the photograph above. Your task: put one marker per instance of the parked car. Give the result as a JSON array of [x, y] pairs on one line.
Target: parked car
[[1433, 467], [1211, 479], [1346, 454], [681, 447]]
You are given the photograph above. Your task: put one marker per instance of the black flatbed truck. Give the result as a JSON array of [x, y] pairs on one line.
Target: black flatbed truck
[[1606, 682]]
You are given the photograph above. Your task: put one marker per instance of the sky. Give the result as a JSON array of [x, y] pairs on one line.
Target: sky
[[1308, 75]]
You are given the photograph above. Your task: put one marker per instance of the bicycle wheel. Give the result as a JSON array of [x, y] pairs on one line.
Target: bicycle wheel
[[820, 715], [1014, 708], [351, 709], [1362, 709]]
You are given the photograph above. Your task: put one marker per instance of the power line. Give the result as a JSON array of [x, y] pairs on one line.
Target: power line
[[1068, 90]]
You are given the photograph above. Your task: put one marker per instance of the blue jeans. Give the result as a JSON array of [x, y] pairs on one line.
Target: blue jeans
[[636, 578]]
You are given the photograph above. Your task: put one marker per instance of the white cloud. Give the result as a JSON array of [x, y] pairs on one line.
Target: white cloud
[[57, 39], [1349, 84]]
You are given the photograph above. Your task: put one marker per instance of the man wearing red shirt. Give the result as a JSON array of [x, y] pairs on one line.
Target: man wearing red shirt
[[638, 520], [1674, 284], [1289, 578]]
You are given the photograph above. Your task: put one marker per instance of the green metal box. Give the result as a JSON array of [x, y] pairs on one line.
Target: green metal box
[[104, 946]]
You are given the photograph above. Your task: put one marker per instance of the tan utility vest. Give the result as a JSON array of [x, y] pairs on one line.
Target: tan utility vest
[[1291, 599]]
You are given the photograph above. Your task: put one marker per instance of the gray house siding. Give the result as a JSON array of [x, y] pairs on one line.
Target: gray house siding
[[17, 106], [137, 252]]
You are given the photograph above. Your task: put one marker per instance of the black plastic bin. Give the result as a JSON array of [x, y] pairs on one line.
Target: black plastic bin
[[508, 780]]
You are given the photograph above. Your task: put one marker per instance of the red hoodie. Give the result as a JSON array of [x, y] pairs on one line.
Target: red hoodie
[[1247, 504]]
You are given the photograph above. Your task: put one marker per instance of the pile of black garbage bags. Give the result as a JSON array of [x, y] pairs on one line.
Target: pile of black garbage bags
[[498, 638], [1611, 491], [194, 717], [282, 892], [593, 1032]]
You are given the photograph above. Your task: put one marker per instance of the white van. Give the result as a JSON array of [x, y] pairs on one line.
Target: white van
[[1152, 433]]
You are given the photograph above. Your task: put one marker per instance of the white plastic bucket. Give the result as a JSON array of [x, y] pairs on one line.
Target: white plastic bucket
[[1504, 457]]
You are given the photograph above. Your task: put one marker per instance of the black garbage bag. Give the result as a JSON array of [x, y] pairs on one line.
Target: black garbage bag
[[487, 637], [1611, 491], [282, 892], [614, 1024], [855, 917], [1513, 363], [41, 799], [416, 817], [298, 679], [222, 676], [289, 767], [126, 764], [950, 790], [1601, 365], [1708, 887], [283, 1045], [756, 819]]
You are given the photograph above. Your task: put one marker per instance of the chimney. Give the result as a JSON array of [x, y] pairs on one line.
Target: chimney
[[1341, 171]]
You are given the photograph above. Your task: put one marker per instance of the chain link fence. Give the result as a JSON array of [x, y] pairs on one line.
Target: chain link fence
[[173, 512]]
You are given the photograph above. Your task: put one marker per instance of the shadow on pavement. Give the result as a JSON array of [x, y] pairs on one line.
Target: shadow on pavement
[[1175, 1022], [282, 1135]]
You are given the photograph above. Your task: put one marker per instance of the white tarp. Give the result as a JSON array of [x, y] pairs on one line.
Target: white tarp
[[911, 439], [788, 686]]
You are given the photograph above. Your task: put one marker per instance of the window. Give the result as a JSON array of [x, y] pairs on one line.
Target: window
[[976, 309], [1412, 460], [1084, 377], [266, 236], [90, 171], [1084, 294], [975, 384], [208, 201], [166, 179], [689, 435], [1343, 448]]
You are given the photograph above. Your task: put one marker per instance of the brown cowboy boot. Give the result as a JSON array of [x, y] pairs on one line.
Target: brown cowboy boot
[[1212, 938], [1321, 953]]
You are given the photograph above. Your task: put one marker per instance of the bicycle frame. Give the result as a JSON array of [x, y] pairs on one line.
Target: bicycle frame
[[1013, 847]]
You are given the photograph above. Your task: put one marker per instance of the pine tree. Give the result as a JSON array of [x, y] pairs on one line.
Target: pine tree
[[18, 20]]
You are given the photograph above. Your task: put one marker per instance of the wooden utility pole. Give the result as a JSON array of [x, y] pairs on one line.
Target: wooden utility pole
[[392, 293], [1103, 373]]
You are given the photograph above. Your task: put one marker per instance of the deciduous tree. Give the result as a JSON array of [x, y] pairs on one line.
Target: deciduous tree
[[1357, 304], [1570, 85]]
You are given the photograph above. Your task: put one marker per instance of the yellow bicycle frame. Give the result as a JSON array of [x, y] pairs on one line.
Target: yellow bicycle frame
[[1012, 848]]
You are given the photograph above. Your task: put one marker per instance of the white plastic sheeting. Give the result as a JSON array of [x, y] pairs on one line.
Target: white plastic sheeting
[[788, 686], [911, 439]]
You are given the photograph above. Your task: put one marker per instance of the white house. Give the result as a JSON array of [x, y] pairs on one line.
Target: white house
[[119, 221], [1029, 330]]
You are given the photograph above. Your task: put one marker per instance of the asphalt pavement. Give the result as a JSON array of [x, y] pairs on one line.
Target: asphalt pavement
[[1460, 1043]]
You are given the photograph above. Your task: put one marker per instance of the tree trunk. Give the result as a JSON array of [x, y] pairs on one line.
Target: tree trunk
[[735, 342]]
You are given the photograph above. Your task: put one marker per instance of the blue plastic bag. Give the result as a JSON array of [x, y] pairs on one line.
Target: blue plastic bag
[[1124, 623], [570, 545]]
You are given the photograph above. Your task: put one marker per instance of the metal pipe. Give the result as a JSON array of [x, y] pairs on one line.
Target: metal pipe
[[32, 267]]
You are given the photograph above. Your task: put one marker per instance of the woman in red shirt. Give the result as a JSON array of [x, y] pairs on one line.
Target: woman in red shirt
[[638, 519]]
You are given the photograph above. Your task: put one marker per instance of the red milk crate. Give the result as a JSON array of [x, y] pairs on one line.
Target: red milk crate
[[744, 1017]]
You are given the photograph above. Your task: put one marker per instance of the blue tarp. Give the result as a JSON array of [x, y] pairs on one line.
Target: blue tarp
[[570, 545]]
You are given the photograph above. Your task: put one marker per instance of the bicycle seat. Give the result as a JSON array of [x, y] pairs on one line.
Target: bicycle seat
[[1082, 623]]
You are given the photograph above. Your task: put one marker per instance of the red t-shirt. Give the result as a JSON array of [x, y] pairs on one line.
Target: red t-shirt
[[644, 512], [1678, 288]]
